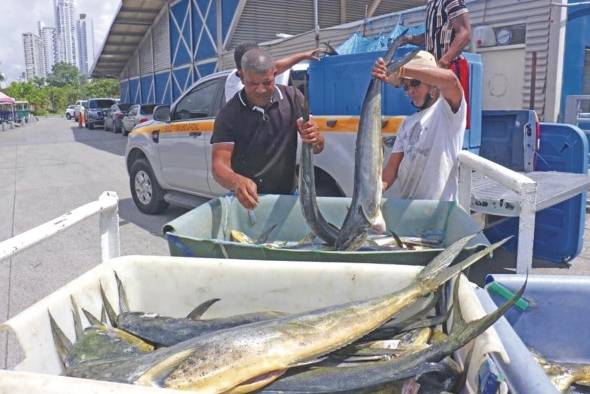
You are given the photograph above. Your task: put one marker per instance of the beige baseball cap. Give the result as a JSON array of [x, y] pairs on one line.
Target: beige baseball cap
[[422, 59]]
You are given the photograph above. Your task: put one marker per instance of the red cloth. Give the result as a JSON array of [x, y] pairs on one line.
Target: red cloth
[[460, 67]]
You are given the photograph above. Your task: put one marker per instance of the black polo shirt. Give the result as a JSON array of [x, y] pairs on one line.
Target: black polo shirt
[[265, 139]]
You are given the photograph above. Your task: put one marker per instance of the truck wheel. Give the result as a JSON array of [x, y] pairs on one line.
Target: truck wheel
[[90, 126], [325, 186], [68, 117], [147, 194]]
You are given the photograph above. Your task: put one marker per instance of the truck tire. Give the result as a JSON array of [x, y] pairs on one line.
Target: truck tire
[[90, 126], [325, 185], [68, 117], [147, 194]]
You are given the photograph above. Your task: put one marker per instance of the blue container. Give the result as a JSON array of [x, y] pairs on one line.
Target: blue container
[[338, 85], [559, 230], [553, 325]]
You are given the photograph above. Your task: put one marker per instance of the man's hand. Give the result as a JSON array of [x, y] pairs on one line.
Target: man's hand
[[443, 62], [246, 192], [380, 70], [314, 54], [310, 134]]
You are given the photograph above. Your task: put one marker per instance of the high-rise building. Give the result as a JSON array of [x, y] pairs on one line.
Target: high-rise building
[[49, 40], [34, 64], [65, 11], [85, 28]]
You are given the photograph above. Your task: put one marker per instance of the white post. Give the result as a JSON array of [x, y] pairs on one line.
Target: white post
[[109, 226], [464, 197], [526, 228]]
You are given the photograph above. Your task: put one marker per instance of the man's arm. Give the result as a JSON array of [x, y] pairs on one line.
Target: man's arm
[[445, 80], [419, 39], [390, 171], [286, 63], [462, 28], [244, 188]]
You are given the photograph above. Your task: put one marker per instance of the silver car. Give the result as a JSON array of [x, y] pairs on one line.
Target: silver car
[[137, 114]]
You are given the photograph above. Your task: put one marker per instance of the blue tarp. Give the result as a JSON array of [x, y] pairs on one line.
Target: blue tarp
[[356, 43]]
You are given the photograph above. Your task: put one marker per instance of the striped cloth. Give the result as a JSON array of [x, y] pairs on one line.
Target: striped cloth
[[439, 32]]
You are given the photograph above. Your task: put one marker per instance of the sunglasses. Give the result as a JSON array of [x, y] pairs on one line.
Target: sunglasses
[[412, 83]]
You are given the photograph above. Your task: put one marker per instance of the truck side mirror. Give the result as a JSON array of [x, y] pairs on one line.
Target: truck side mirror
[[162, 113]]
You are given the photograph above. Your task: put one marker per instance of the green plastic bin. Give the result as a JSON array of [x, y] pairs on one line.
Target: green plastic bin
[[204, 231]]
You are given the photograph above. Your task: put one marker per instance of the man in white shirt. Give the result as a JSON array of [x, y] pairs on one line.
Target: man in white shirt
[[423, 162], [233, 83]]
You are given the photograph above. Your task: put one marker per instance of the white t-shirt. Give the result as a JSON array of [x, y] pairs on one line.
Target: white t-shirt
[[233, 83], [430, 141]]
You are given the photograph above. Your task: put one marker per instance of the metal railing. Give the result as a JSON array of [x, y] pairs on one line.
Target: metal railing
[[576, 109], [107, 207], [525, 187]]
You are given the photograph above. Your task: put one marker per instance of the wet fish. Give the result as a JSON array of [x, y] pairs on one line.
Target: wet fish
[[563, 375], [248, 357], [365, 211], [167, 331], [370, 377], [307, 192]]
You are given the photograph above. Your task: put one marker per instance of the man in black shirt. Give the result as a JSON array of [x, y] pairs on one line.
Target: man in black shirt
[[255, 134]]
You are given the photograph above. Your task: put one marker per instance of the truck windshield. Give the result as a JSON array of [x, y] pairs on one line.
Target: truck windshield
[[101, 103]]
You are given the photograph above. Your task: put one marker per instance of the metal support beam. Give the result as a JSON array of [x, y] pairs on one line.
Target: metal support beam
[[126, 34], [131, 22], [373, 8], [343, 11]]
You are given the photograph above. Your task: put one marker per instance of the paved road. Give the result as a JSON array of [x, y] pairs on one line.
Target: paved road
[[51, 167], [47, 169]]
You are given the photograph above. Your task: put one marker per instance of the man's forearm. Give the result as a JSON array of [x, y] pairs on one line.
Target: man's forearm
[[459, 43], [419, 39], [225, 176], [286, 63]]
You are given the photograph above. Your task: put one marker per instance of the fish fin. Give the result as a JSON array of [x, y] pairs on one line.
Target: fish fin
[[92, 319], [103, 316], [77, 319], [63, 345], [305, 363], [264, 236], [447, 273], [196, 313], [397, 64], [444, 258], [159, 373], [257, 382], [397, 239], [123, 300], [458, 321], [110, 312]]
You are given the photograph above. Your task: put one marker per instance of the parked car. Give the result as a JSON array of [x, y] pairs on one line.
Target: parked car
[[137, 114], [114, 117], [79, 108], [70, 112], [95, 112]]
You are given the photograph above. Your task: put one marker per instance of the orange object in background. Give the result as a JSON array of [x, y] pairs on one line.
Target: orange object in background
[[81, 120]]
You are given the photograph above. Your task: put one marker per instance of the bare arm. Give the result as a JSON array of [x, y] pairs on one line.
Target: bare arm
[[444, 79], [390, 171], [462, 28], [419, 40], [286, 63], [244, 188]]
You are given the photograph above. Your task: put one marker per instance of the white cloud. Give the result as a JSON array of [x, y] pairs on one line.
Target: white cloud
[[21, 16]]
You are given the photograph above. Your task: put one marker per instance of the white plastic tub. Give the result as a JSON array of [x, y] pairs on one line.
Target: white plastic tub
[[173, 286]]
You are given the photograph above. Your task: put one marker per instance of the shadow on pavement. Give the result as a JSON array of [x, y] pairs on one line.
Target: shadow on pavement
[[129, 213], [100, 139]]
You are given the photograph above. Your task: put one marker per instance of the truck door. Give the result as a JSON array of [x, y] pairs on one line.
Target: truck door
[[183, 142]]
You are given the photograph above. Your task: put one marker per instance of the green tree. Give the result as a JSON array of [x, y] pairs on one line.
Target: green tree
[[63, 74], [36, 96], [101, 88]]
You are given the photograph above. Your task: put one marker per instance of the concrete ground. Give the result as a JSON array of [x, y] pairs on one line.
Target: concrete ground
[[51, 167]]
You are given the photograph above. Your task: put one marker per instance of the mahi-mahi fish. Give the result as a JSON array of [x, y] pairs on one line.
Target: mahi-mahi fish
[[245, 358], [365, 210]]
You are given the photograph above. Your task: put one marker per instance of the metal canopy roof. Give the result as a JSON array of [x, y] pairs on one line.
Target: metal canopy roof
[[134, 18], [131, 22]]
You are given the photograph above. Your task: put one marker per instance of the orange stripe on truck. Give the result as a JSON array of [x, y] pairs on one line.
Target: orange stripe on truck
[[327, 124]]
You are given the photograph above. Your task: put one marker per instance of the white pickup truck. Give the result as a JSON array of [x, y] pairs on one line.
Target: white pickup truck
[[169, 158]]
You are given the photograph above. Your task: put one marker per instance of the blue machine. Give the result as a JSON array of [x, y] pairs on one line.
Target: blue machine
[[337, 86]]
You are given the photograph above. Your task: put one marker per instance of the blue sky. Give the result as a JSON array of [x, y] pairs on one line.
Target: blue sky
[[21, 16]]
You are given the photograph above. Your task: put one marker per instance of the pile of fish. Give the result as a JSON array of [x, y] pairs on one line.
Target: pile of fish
[[364, 213], [377, 344]]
